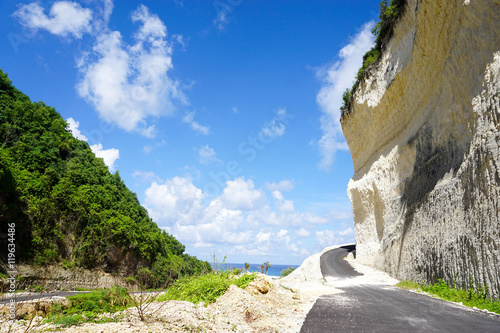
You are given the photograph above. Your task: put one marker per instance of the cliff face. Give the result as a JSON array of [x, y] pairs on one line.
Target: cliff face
[[424, 134]]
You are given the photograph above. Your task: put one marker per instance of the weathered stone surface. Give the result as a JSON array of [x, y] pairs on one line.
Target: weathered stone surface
[[58, 278], [424, 135]]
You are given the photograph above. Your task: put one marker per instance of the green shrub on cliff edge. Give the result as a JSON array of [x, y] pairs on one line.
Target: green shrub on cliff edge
[[383, 30], [66, 205]]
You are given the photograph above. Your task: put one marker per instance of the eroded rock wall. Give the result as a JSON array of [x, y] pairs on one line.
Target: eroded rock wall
[[424, 135]]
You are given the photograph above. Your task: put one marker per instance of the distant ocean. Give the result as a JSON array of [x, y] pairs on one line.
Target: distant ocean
[[274, 270]]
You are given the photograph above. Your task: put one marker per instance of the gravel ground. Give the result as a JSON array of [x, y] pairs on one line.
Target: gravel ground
[[266, 305]]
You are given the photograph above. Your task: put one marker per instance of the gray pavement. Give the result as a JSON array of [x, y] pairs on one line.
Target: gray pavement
[[373, 308]]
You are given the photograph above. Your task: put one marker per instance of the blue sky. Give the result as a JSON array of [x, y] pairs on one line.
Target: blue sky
[[221, 115]]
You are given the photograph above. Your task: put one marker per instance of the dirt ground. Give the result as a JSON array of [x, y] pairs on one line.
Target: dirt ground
[[264, 306]]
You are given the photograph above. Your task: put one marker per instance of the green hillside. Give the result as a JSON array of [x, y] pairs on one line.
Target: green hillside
[[66, 205]]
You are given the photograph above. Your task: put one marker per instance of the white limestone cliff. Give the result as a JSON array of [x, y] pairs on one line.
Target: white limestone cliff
[[423, 130]]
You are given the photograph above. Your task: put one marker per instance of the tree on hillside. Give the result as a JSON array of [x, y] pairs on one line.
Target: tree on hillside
[[66, 205], [247, 266]]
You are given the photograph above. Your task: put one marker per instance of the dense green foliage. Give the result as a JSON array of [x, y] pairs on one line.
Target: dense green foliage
[[88, 306], [67, 206], [383, 30], [287, 271], [471, 298], [206, 288]]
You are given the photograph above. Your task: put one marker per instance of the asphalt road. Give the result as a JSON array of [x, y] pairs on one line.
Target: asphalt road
[[332, 263], [21, 297], [375, 308]]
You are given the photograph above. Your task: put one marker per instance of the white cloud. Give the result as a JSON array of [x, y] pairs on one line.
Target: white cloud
[[240, 220], [73, 127], [65, 18], [176, 200], [284, 185], [302, 233], [145, 176], [275, 128], [263, 237], [337, 77], [189, 119], [108, 155], [147, 149], [223, 11], [241, 194], [346, 232], [206, 154], [326, 238], [127, 84]]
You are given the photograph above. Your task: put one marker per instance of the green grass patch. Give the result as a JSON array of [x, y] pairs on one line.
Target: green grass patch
[[409, 285], [471, 298], [87, 307], [286, 271], [206, 288]]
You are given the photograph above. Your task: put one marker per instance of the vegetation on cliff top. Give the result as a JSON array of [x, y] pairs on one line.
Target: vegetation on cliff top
[[383, 30], [66, 205]]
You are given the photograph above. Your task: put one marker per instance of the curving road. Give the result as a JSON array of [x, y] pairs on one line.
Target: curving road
[[375, 308], [332, 263]]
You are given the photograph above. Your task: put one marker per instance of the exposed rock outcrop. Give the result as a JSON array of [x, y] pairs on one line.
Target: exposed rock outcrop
[[423, 129]]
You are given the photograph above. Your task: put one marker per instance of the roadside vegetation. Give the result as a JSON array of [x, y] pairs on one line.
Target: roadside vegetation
[[206, 288], [89, 306], [471, 298], [107, 305], [390, 11], [287, 271]]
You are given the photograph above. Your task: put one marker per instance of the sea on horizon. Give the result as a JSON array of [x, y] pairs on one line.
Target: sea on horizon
[[274, 270]]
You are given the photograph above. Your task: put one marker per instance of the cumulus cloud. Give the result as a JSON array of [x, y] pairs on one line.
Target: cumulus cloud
[[65, 18], [129, 83], [241, 194], [284, 185], [207, 155], [240, 218], [73, 127], [189, 119], [175, 200], [302, 233], [108, 155], [326, 238], [145, 176], [276, 127], [337, 77]]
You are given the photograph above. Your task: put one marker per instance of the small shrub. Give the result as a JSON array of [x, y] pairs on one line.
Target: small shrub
[[86, 307], [131, 280], [206, 288], [66, 264], [408, 285], [287, 271]]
